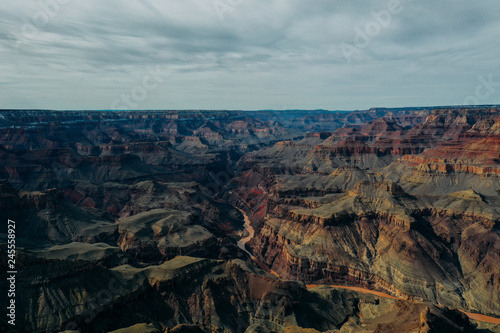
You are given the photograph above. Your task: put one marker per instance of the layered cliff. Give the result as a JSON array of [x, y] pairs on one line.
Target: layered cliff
[[189, 294], [421, 223], [130, 221]]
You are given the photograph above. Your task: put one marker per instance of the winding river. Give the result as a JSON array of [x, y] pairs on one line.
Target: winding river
[[243, 242], [251, 233]]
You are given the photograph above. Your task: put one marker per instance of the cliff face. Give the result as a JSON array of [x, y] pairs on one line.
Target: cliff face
[[476, 151], [421, 222], [130, 221], [211, 295]]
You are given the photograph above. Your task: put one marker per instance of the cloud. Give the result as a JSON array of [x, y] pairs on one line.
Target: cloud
[[243, 54]]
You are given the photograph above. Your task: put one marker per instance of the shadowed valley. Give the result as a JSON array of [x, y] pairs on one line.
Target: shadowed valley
[[132, 221]]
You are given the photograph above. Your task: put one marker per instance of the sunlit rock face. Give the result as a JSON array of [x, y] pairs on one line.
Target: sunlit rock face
[[130, 221], [403, 208]]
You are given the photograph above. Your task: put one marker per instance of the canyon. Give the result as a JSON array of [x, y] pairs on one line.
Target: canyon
[[253, 221]]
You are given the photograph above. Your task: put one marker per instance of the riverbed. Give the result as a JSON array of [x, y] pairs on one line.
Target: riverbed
[[251, 234]]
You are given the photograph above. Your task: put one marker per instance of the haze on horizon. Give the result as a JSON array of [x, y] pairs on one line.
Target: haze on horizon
[[242, 54]]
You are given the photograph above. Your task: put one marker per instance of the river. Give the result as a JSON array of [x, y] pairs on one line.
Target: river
[[251, 233], [243, 242]]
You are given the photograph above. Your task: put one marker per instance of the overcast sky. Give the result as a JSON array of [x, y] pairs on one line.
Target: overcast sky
[[248, 54]]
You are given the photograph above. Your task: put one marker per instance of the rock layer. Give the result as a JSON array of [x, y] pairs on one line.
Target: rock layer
[[131, 220]]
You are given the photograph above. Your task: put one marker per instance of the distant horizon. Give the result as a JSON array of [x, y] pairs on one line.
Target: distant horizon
[[262, 110]]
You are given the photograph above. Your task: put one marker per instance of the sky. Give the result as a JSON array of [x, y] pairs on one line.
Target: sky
[[248, 54]]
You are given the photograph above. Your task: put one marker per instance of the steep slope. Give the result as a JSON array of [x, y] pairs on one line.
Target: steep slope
[[422, 223], [210, 295], [131, 221]]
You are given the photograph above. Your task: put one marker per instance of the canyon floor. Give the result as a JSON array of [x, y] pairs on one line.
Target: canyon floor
[[384, 220]]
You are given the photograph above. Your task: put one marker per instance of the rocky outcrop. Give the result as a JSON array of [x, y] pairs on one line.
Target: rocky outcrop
[[404, 226], [46, 216], [475, 149], [112, 208], [161, 234], [212, 295]]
